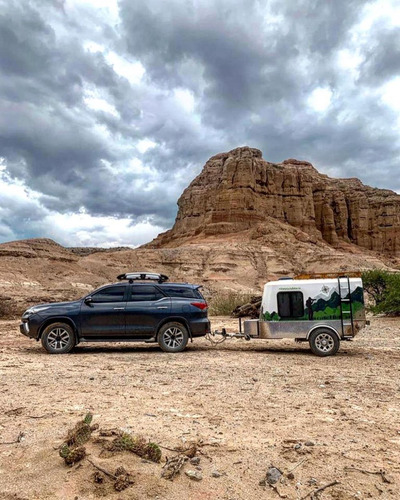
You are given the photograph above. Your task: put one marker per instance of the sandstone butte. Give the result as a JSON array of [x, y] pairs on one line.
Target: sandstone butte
[[241, 221], [239, 191]]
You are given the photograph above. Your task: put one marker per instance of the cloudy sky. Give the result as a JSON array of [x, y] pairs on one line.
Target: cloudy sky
[[108, 109]]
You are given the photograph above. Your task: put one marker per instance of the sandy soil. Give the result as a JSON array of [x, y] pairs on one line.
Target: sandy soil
[[254, 404]]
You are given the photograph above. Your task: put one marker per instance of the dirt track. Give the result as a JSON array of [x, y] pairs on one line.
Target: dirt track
[[254, 404]]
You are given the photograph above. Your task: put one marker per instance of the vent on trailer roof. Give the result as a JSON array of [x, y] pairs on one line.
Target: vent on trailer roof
[[143, 276]]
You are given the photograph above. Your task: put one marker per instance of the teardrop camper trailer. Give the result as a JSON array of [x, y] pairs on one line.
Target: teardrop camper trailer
[[322, 311]]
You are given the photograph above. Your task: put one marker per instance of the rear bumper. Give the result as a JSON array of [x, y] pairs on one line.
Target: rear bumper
[[200, 328]]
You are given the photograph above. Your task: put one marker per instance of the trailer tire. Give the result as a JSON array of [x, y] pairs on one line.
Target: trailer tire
[[324, 342]]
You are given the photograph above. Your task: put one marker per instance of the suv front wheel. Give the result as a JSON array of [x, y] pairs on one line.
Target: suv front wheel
[[173, 337], [58, 338]]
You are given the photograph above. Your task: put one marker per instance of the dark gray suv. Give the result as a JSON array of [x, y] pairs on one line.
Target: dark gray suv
[[141, 307]]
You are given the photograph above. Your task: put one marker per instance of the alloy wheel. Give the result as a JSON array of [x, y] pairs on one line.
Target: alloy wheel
[[58, 338], [173, 337]]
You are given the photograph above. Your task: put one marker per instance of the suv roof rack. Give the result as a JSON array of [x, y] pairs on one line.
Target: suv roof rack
[[143, 276]]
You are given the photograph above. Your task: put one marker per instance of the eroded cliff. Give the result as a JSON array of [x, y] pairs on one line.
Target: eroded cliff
[[239, 191]]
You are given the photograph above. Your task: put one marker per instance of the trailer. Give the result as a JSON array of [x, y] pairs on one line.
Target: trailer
[[323, 311]]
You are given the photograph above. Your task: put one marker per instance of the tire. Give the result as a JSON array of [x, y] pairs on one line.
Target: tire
[[173, 337], [324, 342], [58, 338]]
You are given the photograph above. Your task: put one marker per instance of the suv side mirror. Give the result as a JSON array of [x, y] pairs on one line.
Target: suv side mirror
[[88, 300]]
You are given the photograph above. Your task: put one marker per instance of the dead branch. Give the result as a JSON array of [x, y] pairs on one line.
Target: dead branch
[[106, 472], [173, 466], [18, 440], [297, 465], [379, 472], [175, 450], [316, 492], [41, 416]]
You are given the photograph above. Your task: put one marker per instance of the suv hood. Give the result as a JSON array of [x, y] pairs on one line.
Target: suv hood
[[52, 305]]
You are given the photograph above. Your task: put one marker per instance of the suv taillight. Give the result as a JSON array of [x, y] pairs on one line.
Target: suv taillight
[[200, 305]]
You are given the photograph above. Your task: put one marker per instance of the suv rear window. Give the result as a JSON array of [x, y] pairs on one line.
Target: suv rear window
[[141, 293], [182, 291]]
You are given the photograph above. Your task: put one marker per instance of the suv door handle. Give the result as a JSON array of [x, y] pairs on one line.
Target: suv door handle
[[162, 307], [119, 308]]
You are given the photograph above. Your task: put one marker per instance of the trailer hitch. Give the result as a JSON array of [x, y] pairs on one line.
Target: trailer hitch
[[225, 335]]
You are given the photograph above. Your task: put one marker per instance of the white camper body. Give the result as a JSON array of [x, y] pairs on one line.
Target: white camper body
[[321, 311]]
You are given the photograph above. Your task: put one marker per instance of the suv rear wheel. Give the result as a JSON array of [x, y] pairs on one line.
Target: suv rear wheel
[[58, 338], [173, 337]]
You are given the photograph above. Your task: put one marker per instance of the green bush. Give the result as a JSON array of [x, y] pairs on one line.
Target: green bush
[[222, 304], [384, 289]]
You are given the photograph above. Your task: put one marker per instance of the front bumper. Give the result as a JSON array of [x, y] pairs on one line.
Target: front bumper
[[24, 328], [30, 326]]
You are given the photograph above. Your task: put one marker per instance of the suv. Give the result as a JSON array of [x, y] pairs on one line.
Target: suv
[[132, 310]]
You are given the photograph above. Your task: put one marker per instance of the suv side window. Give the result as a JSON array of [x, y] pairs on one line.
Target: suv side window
[[140, 293], [182, 291], [110, 294]]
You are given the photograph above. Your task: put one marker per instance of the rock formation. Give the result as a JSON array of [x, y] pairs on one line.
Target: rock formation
[[239, 191]]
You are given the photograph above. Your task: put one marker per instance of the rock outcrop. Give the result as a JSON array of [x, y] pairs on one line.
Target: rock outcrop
[[239, 191]]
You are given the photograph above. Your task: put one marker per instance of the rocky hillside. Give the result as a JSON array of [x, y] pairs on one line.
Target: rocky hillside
[[241, 222], [239, 190]]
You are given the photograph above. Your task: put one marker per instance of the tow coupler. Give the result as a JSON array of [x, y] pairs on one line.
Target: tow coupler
[[224, 335]]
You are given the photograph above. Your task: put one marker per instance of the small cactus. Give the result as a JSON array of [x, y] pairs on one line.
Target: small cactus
[[88, 418], [72, 450], [137, 445], [72, 456], [75, 456], [153, 452], [64, 451], [81, 433]]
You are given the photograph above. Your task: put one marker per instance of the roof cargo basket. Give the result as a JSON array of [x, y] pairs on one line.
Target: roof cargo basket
[[143, 276], [332, 275]]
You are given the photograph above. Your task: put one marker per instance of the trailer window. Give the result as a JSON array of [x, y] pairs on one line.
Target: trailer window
[[290, 304]]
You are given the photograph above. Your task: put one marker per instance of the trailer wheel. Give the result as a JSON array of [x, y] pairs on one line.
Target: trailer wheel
[[324, 342]]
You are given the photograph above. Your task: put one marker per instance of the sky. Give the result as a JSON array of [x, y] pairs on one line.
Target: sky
[[109, 109]]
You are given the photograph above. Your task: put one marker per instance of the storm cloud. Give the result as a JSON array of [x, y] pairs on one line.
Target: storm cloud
[[109, 109]]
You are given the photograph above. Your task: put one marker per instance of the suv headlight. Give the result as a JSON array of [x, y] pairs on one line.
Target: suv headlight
[[34, 310]]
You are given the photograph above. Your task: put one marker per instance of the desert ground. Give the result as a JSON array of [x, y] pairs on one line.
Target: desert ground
[[249, 406]]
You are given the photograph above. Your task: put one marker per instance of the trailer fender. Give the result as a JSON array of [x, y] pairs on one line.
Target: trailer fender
[[323, 326]]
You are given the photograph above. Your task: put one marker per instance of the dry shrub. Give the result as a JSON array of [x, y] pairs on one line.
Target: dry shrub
[[222, 304], [8, 309]]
